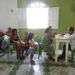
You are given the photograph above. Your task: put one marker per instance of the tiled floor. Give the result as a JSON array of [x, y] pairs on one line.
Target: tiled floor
[[5, 68], [41, 70], [42, 67]]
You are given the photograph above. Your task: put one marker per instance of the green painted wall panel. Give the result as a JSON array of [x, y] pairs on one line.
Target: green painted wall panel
[[66, 11]]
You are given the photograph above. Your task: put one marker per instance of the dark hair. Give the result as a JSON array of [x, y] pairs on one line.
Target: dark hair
[[13, 30], [71, 29], [30, 36], [46, 31]]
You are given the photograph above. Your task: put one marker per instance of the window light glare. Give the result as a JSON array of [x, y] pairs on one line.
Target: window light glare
[[37, 16], [37, 4]]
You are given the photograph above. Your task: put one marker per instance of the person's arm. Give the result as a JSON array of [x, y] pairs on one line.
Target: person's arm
[[72, 36]]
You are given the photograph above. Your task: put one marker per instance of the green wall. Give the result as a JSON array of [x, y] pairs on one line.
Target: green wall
[[66, 12], [39, 33]]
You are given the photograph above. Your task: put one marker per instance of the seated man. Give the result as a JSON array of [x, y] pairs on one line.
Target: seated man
[[70, 35]]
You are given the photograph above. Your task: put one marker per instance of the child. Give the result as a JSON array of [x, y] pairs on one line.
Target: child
[[26, 45], [32, 47]]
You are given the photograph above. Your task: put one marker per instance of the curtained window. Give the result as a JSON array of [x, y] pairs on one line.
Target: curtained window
[[37, 15]]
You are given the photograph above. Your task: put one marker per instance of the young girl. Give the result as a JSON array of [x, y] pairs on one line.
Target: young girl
[[32, 47], [26, 41], [25, 44]]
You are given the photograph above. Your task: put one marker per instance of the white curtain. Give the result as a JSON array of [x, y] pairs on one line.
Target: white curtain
[[53, 17], [22, 18]]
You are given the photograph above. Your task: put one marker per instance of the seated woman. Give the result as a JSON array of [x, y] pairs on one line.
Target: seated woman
[[47, 42], [16, 40]]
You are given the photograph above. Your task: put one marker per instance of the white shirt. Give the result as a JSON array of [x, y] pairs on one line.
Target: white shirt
[[72, 37]]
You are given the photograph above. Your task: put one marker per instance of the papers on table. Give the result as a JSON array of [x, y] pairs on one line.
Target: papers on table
[[60, 36]]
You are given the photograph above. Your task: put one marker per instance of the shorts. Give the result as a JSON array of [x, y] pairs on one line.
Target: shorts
[[31, 51]]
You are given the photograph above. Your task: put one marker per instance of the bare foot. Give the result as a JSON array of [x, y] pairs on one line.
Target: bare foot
[[32, 62]]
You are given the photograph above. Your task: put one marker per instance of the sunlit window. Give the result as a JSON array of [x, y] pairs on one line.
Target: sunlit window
[[37, 16]]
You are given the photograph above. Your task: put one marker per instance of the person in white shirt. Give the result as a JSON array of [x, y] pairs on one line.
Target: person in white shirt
[[70, 35]]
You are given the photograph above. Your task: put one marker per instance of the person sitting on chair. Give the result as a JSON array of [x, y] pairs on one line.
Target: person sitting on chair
[[47, 41], [71, 35], [9, 32], [16, 40], [25, 44]]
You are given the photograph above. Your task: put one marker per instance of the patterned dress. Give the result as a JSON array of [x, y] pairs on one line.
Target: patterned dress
[[47, 42]]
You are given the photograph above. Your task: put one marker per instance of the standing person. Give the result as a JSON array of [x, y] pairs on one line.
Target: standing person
[[47, 42], [32, 47]]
